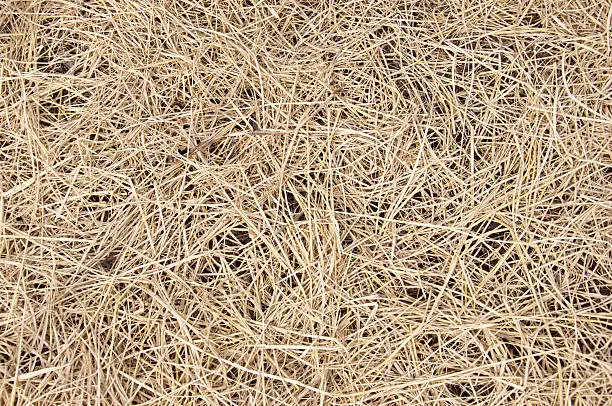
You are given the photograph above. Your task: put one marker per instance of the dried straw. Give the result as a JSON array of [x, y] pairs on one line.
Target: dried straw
[[288, 202]]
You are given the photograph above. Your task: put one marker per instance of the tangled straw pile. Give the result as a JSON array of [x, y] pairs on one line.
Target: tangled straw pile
[[290, 202]]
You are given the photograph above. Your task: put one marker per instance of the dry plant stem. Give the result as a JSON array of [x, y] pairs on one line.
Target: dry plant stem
[[287, 202]]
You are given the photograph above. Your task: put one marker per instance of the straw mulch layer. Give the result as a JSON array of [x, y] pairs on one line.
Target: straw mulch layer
[[290, 202]]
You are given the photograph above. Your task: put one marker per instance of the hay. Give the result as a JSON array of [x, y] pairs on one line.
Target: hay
[[305, 202]]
